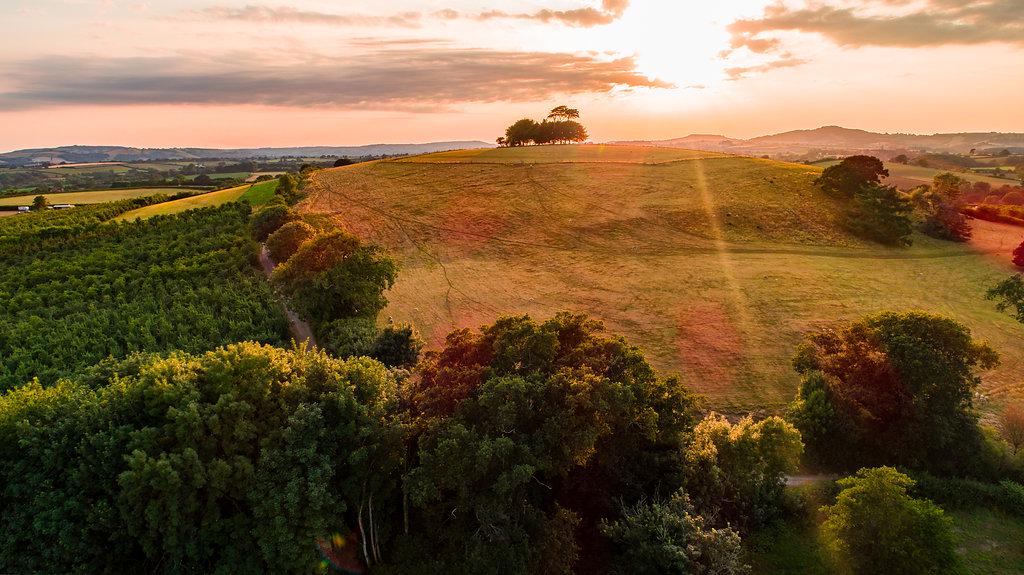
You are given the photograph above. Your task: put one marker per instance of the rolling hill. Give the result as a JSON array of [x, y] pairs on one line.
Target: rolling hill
[[90, 154], [839, 140], [715, 265]]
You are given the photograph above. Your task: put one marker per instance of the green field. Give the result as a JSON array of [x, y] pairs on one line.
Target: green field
[[94, 197], [255, 194], [990, 543], [714, 265]]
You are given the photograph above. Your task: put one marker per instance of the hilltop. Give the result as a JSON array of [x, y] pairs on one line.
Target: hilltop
[[714, 264], [839, 140], [85, 154]]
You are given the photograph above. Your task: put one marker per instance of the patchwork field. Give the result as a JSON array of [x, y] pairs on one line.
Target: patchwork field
[[715, 265], [95, 197], [255, 194]]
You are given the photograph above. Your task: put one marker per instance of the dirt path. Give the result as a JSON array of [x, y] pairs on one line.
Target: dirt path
[[798, 480], [301, 330]]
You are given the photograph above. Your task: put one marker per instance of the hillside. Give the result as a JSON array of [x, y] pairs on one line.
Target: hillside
[[89, 154], [714, 264], [839, 140]]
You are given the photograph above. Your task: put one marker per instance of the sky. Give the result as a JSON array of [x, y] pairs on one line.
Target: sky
[[252, 73]]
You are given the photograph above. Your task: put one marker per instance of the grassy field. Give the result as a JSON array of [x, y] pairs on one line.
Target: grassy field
[[906, 177], [990, 543], [254, 194], [94, 197], [259, 194], [714, 265]]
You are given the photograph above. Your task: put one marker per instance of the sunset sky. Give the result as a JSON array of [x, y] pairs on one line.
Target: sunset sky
[[250, 73]]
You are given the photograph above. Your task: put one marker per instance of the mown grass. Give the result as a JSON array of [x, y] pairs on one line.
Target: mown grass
[[988, 543], [259, 194], [177, 206], [714, 265], [93, 197]]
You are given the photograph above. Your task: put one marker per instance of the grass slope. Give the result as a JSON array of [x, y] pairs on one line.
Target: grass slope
[[255, 194], [715, 265], [93, 197]]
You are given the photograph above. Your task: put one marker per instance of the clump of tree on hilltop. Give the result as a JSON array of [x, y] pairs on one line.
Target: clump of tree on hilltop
[[560, 127]]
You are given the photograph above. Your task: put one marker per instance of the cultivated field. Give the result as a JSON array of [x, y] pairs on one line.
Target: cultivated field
[[255, 194], [715, 265], [95, 197]]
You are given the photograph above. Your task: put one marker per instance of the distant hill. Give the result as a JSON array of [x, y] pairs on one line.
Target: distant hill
[[838, 140], [84, 154]]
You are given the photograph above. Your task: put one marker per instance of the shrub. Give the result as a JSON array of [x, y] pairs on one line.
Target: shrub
[[397, 346], [283, 243], [1018, 255], [269, 219], [737, 472], [881, 214], [892, 389], [992, 199], [348, 337], [875, 527], [1014, 199], [669, 537], [1011, 426], [960, 493]]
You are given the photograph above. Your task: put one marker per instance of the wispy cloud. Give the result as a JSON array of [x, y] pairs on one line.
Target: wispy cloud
[[894, 23], [428, 77], [585, 17], [786, 61]]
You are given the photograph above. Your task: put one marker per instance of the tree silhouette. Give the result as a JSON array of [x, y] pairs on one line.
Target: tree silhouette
[[564, 113]]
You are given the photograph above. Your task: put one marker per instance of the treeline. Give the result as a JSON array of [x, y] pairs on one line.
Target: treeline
[[76, 291], [523, 447], [560, 127]]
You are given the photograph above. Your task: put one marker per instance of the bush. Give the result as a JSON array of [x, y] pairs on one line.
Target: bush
[[737, 472], [669, 537], [960, 493], [1014, 199], [397, 346], [269, 219], [283, 243], [882, 214], [348, 337], [876, 527]]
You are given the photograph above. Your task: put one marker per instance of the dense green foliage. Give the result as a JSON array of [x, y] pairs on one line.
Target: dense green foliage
[[560, 127], [955, 492], [234, 461], [876, 527], [669, 538], [335, 276], [892, 389], [392, 345], [283, 243], [846, 178], [528, 436], [882, 214], [737, 472], [73, 291], [271, 217]]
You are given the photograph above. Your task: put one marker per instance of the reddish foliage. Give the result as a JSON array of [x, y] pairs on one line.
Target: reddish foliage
[[1018, 255]]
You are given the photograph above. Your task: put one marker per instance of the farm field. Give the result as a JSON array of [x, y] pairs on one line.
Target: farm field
[[714, 265], [256, 196], [94, 197], [905, 176]]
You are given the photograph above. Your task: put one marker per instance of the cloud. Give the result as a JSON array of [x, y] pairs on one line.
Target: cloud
[[586, 17], [425, 78], [893, 23], [287, 14], [786, 61]]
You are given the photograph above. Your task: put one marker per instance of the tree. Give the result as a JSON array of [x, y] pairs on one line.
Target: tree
[[39, 203], [564, 113], [882, 214], [232, 461], [940, 207], [1009, 295], [269, 219], [535, 432], [737, 472], [901, 159], [340, 162], [875, 526], [669, 537], [287, 187], [892, 389], [397, 346], [846, 178], [287, 240], [521, 133], [1018, 255], [1011, 426], [1013, 198]]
